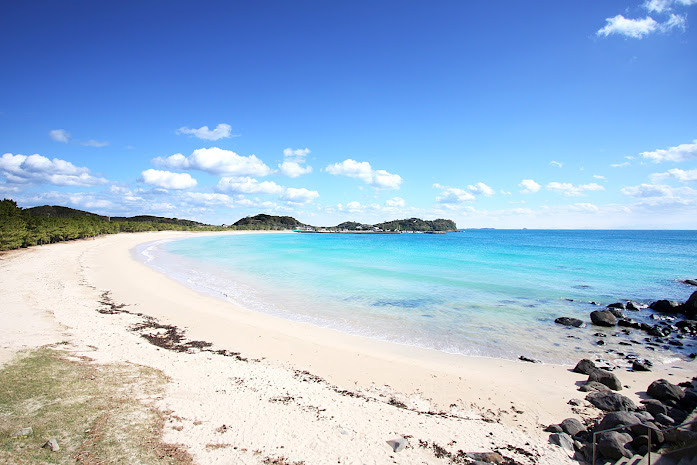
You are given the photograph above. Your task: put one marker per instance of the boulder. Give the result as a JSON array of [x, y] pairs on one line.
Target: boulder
[[606, 378], [641, 365], [648, 428], [654, 407], [572, 426], [594, 386], [562, 440], [617, 312], [568, 321], [554, 429], [612, 445], [663, 390], [611, 402], [398, 444], [52, 445], [691, 282], [615, 419], [631, 305], [689, 308], [603, 318], [585, 367], [620, 305], [665, 306], [486, 457], [664, 420]]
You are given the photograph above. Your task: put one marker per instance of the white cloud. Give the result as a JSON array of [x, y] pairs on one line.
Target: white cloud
[[657, 195], [301, 195], [677, 174], [216, 161], [247, 185], [296, 155], [167, 179], [292, 159], [380, 179], [452, 195], [661, 6], [529, 186], [597, 176], [570, 190], [59, 135], [94, 143], [221, 131], [634, 28], [205, 198], [678, 153], [39, 169], [556, 163], [395, 202], [584, 208], [293, 169], [620, 165], [481, 188]]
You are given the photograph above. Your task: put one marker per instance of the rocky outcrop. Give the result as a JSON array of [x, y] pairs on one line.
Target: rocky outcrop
[[665, 391], [611, 401], [568, 321], [585, 366], [606, 378], [603, 318]]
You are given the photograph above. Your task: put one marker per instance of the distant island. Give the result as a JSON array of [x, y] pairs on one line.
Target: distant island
[[25, 227]]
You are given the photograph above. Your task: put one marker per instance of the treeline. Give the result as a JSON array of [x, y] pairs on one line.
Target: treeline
[[20, 228], [265, 222], [417, 224]]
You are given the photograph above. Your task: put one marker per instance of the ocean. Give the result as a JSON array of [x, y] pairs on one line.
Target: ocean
[[490, 293]]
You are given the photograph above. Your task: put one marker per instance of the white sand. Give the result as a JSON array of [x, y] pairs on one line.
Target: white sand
[[230, 411]]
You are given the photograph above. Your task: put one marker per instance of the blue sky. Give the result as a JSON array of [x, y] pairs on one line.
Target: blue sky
[[514, 114]]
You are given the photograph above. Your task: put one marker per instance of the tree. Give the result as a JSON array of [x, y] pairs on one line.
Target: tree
[[13, 228]]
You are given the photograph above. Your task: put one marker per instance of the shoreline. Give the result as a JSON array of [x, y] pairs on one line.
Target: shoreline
[[514, 399]]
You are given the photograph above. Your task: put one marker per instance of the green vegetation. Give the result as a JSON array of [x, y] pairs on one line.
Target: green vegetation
[[267, 222], [92, 411], [49, 224], [353, 226], [417, 224]]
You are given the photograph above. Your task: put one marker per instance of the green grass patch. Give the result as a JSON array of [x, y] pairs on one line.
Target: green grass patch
[[100, 414]]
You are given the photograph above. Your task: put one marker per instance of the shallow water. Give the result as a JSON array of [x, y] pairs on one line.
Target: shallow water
[[481, 292]]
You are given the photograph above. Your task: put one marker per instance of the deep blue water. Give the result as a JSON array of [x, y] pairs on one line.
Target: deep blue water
[[480, 292]]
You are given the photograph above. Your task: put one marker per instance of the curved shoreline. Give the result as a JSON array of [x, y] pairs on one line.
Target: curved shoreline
[[63, 283]]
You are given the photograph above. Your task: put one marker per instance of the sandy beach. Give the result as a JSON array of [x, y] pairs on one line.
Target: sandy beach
[[270, 389]]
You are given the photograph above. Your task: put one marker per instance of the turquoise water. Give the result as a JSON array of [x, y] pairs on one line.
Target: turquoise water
[[489, 293]]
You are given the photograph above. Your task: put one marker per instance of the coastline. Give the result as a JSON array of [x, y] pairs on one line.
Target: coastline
[[60, 287]]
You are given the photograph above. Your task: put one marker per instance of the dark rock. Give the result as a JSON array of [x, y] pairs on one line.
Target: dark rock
[[568, 321], [575, 402], [643, 415], [648, 428], [562, 440], [628, 323], [689, 324], [663, 390], [670, 307], [620, 305], [654, 407], [606, 378], [585, 366], [572, 426], [631, 305], [664, 420], [603, 318], [528, 359], [615, 419], [689, 308], [659, 331], [594, 386], [617, 312], [486, 457], [554, 429], [640, 441], [600, 342], [611, 402], [691, 282], [599, 335], [641, 365], [678, 415], [611, 445]]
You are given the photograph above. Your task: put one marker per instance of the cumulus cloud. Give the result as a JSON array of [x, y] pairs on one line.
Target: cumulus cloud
[[380, 179], [208, 199], [292, 162], [59, 135], [215, 161], [221, 131], [661, 6], [296, 155], [301, 195], [167, 179], [571, 190], [395, 202], [481, 188], [677, 174], [640, 28], [452, 195], [679, 153], [247, 185], [39, 169], [529, 186]]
